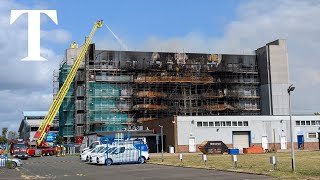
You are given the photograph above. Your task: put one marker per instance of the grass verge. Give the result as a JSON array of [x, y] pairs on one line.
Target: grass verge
[[307, 163]]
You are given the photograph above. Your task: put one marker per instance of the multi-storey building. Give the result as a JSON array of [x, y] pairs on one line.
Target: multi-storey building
[[114, 90]]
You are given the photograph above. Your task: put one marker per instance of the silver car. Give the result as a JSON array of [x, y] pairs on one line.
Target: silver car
[[15, 162]]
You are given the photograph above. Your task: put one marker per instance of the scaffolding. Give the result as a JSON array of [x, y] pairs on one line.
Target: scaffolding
[[115, 90], [66, 111]]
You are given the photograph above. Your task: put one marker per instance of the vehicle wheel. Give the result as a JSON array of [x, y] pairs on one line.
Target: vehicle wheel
[[87, 159], [141, 160], [109, 161], [13, 165]]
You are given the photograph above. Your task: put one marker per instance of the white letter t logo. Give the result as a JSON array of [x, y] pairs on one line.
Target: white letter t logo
[[34, 30]]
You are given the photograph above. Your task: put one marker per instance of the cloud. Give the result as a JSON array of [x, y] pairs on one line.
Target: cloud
[[56, 36], [24, 85], [13, 103]]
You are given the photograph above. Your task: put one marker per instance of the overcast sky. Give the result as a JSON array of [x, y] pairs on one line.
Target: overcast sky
[[195, 26]]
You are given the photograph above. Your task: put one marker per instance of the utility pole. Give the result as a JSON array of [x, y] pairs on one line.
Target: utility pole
[[293, 164], [161, 142]]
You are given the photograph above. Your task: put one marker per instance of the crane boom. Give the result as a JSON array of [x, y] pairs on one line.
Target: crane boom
[[46, 123]]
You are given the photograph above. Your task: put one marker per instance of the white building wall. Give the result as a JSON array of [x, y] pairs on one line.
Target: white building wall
[[258, 126], [32, 133]]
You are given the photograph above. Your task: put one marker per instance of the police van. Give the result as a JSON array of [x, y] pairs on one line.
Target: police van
[[135, 151], [85, 155]]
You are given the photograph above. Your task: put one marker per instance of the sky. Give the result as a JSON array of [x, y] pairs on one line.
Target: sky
[[229, 26]]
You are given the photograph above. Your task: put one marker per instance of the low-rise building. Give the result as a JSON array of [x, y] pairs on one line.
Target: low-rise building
[[186, 133], [31, 122]]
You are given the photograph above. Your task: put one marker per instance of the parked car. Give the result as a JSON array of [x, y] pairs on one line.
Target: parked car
[[125, 153], [15, 162]]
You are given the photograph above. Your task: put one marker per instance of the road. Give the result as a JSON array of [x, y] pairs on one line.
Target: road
[[70, 167]]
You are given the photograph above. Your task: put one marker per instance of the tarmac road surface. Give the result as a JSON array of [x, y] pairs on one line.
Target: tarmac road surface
[[70, 167]]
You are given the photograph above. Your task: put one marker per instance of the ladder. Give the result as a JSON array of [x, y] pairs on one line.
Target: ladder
[[46, 123]]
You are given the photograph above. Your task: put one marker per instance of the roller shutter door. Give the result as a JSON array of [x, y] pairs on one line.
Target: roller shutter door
[[240, 140]]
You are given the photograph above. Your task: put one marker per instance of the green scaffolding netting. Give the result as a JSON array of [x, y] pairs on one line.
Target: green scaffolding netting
[[108, 128], [104, 105], [66, 111], [108, 117], [103, 89]]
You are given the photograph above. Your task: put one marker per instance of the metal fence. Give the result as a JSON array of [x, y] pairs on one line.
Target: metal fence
[[122, 152], [4, 152]]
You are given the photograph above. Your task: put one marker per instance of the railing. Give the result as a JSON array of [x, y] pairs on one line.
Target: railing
[[4, 154]]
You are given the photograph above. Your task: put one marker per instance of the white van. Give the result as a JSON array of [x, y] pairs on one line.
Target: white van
[[91, 146], [125, 153], [93, 155], [85, 155]]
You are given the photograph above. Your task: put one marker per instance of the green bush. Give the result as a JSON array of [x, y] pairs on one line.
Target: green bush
[[10, 164]]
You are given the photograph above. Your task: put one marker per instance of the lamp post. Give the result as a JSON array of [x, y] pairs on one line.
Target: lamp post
[[293, 164], [161, 142]]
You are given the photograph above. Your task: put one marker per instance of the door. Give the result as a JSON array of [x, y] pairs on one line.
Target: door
[[241, 139], [283, 142], [265, 143], [319, 139], [192, 144], [118, 155], [300, 141]]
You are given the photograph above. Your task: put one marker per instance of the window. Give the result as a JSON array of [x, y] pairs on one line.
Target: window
[[199, 124], [303, 123], [308, 123], [298, 123], [119, 150], [223, 123], [312, 135], [245, 123], [228, 123], [210, 123], [217, 123], [234, 123], [313, 122], [318, 123], [240, 123], [205, 124]]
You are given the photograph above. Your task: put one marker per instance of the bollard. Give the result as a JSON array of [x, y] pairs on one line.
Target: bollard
[[204, 158], [273, 161], [180, 157], [234, 159]]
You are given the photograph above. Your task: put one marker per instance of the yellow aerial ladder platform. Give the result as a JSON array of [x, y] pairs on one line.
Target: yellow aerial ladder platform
[[54, 108]]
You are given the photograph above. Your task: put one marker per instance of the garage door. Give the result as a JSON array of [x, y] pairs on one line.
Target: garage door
[[240, 140]]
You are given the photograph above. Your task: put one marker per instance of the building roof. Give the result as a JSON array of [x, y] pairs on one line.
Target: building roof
[[34, 122], [34, 113]]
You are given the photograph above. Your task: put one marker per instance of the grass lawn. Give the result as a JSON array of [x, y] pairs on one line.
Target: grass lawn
[[307, 163]]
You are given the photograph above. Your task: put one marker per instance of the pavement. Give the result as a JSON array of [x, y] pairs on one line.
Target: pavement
[[70, 167]]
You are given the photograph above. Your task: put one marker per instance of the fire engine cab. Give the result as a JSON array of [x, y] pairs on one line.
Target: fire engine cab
[[19, 149]]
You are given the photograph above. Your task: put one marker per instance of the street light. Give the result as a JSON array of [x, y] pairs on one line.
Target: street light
[[293, 164], [161, 142]]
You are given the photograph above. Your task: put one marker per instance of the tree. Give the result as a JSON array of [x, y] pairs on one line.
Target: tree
[[12, 135], [59, 139], [4, 132], [3, 137], [316, 113]]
